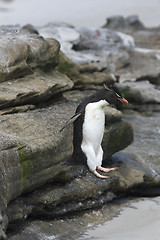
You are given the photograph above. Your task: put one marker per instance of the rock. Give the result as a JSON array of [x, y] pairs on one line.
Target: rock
[[144, 57], [144, 37], [131, 57], [144, 65], [85, 76], [33, 89], [99, 39], [23, 52], [93, 80], [105, 47], [116, 134], [128, 24], [145, 149], [23, 132], [86, 191], [33, 151], [142, 92], [148, 38], [77, 95], [27, 73], [68, 67], [29, 29], [2, 227], [17, 109], [101, 47], [2, 235], [64, 33], [134, 23]]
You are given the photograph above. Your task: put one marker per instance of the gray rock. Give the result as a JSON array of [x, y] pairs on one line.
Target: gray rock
[[29, 29], [130, 57], [17, 109], [144, 59], [144, 37], [145, 149], [22, 52], [148, 38], [2, 226], [100, 46], [2, 235], [33, 89], [128, 24], [144, 65], [102, 39], [85, 76], [34, 151], [142, 92], [27, 65]]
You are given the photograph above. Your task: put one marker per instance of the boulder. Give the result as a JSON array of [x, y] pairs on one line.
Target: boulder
[[22, 52], [128, 56], [143, 36], [148, 38], [122, 24], [140, 92], [144, 65], [102, 39], [138, 174], [145, 149], [84, 76], [101, 47], [34, 152], [27, 75]]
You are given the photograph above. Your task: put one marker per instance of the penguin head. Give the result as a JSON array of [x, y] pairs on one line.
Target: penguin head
[[114, 96]]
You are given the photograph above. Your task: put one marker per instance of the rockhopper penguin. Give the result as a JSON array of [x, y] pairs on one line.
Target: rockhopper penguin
[[89, 122]]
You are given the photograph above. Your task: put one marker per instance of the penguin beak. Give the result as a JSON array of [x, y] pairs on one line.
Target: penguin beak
[[124, 101]]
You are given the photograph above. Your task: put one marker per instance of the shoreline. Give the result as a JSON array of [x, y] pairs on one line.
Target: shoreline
[[140, 220]]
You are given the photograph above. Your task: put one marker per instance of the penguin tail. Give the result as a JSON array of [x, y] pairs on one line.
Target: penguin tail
[[71, 120]]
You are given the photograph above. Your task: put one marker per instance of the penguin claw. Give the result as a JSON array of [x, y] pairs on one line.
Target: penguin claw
[[99, 175], [106, 170]]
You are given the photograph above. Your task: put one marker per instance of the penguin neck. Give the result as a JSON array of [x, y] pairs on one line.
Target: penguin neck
[[97, 105]]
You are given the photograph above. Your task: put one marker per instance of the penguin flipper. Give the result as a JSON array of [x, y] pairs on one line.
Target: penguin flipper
[[71, 120]]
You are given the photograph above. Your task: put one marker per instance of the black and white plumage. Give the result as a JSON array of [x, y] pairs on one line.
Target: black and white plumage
[[89, 122]]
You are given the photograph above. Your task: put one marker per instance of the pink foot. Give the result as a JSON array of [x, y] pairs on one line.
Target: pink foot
[[106, 170], [99, 175]]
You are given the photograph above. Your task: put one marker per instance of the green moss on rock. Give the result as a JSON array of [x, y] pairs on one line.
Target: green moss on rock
[[67, 67], [25, 166], [117, 137]]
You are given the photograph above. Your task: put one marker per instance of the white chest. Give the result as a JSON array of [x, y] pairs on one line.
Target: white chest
[[93, 126]]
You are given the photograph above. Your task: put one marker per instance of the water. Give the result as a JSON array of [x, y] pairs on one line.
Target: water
[[138, 221], [124, 219], [91, 13]]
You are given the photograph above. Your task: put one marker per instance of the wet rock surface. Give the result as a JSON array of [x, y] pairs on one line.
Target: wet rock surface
[[40, 87]]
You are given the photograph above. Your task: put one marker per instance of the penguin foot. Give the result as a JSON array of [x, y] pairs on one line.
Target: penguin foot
[[99, 175], [106, 170]]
